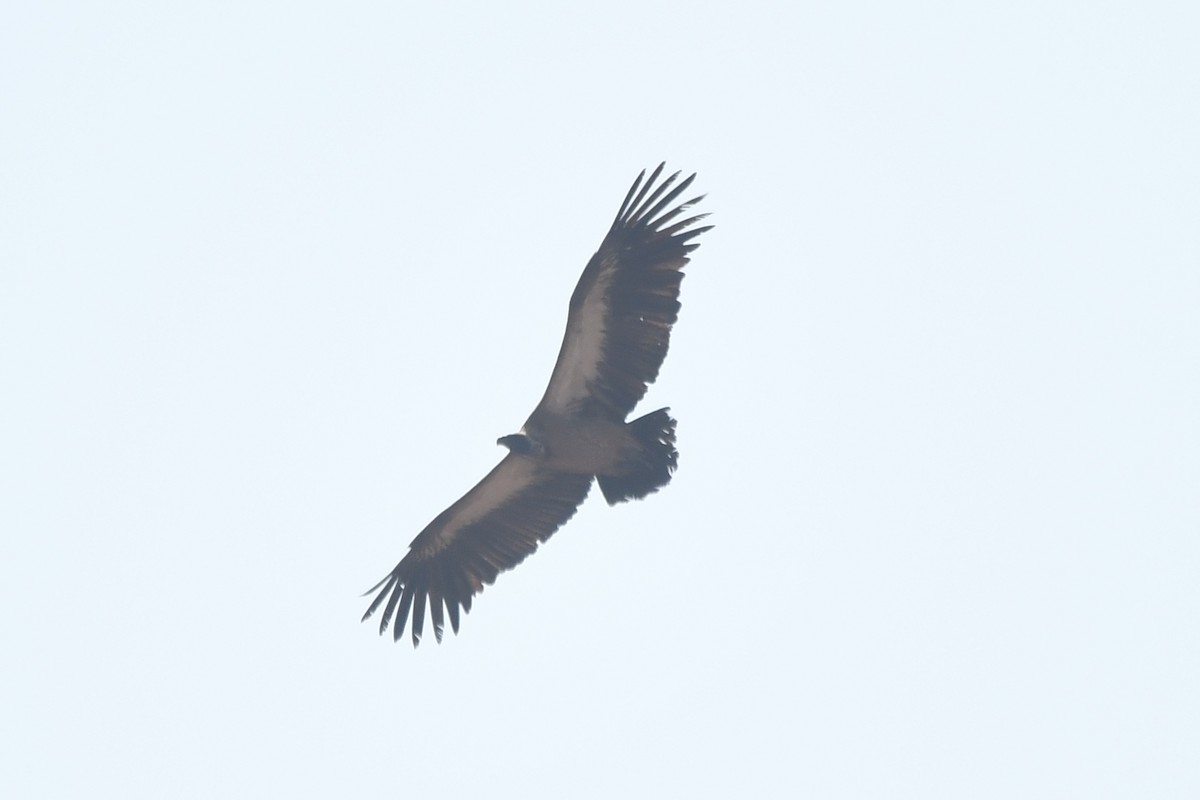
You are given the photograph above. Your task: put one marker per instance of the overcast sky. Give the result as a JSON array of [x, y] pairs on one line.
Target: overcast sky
[[274, 278]]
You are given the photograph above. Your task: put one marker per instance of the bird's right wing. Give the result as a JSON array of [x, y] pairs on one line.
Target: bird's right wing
[[492, 528]]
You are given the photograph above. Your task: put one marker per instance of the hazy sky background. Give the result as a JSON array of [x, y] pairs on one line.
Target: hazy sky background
[[274, 277]]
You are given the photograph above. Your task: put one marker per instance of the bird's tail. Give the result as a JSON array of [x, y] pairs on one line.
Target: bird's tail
[[650, 469]]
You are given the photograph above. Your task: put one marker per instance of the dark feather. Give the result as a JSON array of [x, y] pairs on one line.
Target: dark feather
[[626, 301], [448, 567]]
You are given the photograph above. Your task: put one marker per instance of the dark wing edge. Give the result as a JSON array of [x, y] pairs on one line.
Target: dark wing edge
[[444, 568], [635, 279]]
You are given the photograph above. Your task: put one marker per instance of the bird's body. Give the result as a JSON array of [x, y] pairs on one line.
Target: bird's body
[[618, 331], [588, 446]]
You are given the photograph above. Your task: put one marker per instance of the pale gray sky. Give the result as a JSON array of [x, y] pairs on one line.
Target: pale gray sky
[[274, 278]]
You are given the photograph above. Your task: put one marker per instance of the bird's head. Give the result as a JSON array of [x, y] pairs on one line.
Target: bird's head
[[521, 444]]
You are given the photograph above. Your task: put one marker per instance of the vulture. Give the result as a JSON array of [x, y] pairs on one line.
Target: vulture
[[618, 329]]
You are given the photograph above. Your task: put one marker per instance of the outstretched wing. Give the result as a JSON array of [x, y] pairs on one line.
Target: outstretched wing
[[491, 529], [625, 303]]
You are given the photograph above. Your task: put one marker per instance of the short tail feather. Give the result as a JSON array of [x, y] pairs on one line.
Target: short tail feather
[[651, 470]]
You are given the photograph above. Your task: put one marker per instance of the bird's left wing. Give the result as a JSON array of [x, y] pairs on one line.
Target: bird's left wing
[[626, 300], [492, 528]]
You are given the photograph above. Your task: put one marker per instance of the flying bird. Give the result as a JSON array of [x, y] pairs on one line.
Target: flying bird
[[618, 329]]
